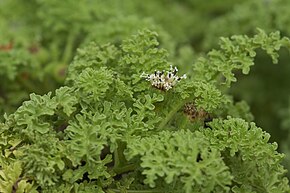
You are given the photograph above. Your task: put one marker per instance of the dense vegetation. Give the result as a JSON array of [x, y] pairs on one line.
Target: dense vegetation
[[124, 96]]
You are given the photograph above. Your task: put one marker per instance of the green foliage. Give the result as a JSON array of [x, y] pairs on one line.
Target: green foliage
[[40, 40], [285, 115], [235, 138], [109, 130], [238, 53], [245, 17], [97, 125], [11, 180], [181, 157], [266, 90]]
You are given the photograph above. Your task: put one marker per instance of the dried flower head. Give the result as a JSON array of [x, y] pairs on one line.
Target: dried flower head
[[164, 80], [194, 114]]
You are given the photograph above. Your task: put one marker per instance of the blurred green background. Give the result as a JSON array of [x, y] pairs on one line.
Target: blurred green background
[[38, 39]]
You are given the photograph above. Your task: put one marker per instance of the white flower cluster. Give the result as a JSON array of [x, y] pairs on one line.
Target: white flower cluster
[[163, 80]]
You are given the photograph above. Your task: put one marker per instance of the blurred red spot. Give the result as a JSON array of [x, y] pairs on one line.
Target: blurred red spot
[[24, 75], [33, 49], [6, 47]]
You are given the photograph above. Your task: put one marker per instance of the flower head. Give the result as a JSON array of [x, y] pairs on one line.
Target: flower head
[[163, 80]]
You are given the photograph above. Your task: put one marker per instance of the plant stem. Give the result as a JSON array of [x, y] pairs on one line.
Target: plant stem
[[29, 86], [69, 47], [119, 158], [127, 168], [171, 114]]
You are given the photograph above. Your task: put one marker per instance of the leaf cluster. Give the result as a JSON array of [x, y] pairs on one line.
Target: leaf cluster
[[108, 130]]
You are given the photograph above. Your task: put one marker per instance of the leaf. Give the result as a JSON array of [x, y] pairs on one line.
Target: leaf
[[175, 155], [66, 100]]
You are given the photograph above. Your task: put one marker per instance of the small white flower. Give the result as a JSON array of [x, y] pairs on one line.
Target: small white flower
[[163, 80]]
